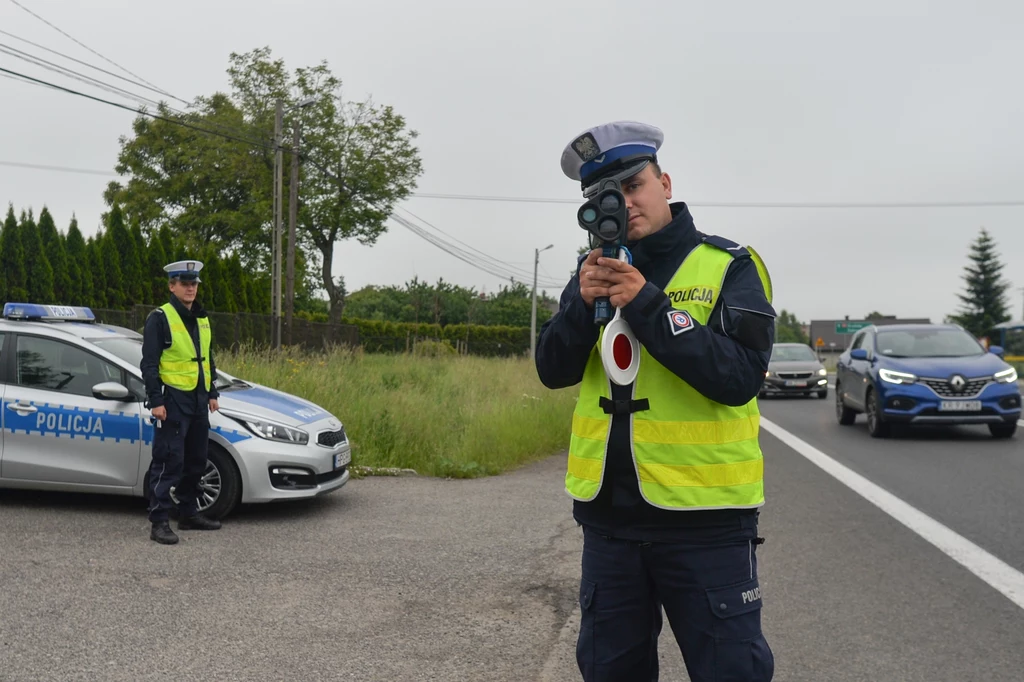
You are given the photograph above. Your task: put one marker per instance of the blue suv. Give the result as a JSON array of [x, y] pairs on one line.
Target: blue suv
[[925, 374]]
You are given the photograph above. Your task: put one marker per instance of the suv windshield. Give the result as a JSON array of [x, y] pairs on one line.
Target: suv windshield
[[130, 350], [793, 354], [927, 343]]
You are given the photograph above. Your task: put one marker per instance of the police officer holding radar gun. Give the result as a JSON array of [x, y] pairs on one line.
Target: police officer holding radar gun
[[668, 331], [179, 372]]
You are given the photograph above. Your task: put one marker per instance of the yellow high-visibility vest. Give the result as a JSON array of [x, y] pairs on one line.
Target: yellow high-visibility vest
[[689, 452], [179, 366]]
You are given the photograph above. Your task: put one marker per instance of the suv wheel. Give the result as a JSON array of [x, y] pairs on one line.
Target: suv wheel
[[877, 426], [1004, 430], [844, 414]]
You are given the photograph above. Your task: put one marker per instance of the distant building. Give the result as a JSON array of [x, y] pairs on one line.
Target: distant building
[[835, 335]]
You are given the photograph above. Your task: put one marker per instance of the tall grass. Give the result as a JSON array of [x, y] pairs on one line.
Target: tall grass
[[457, 416]]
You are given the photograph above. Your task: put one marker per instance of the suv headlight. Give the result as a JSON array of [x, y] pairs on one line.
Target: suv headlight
[[896, 377], [1007, 376], [822, 372], [269, 430]]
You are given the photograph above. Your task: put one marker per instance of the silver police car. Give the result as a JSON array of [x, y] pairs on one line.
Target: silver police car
[[73, 419]]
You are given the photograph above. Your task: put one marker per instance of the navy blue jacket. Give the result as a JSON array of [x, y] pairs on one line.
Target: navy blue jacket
[[725, 361], [156, 336]]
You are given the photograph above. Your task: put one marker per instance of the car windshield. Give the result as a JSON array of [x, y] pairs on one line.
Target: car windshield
[[130, 350], [793, 354], [927, 343]]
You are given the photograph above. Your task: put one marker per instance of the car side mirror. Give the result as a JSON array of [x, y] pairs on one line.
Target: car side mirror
[[997, 350], [110, 390], [859, 354]]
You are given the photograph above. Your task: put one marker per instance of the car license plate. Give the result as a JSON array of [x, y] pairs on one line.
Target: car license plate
[[342, 458], [796, 383], [960, 406]]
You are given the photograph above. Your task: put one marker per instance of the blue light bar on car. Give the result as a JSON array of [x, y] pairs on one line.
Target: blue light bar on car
[[48, 313]]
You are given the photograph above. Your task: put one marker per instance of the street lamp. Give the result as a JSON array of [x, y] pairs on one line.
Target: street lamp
[[533, 307], [275, 284]]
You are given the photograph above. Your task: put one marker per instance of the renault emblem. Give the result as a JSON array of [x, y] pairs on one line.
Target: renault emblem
[[957, 382]]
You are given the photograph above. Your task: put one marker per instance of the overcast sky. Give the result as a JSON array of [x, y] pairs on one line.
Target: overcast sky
[[782, 102]]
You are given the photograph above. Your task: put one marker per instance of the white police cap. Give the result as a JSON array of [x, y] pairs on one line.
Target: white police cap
[[613, 150], [184, 270]]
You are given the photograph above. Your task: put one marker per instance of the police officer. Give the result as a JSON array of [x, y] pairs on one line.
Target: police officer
[[665, 473], [178, 368]]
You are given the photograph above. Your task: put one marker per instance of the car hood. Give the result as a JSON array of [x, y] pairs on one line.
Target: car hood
[[794, 366], [269, 403], [969, 366]]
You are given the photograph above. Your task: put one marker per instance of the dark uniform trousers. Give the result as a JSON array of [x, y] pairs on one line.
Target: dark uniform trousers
[[179, 459], [709, 589]]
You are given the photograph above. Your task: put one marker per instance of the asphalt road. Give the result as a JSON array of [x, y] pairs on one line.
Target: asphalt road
[[421, 579]]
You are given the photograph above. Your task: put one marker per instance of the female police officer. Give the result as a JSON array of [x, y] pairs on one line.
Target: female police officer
[[179, 372], [666, 472]]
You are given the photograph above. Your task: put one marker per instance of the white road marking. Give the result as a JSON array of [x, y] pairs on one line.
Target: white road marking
[[994, 571]]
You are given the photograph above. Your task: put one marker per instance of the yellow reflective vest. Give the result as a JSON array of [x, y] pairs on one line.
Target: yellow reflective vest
[[179, 366], [689, 452]]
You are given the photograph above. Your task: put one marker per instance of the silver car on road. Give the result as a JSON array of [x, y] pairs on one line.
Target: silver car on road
[[794, 369], [73, 419]]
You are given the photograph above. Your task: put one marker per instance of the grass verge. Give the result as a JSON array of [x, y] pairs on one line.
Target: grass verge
[[452, 416]]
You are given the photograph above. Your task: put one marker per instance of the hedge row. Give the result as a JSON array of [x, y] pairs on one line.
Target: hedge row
[[376, 336]]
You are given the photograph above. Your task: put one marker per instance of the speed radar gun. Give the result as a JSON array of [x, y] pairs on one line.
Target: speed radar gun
[[606, 218]]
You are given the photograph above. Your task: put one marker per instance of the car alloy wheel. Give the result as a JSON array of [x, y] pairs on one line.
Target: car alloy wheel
[[877, 427], [209, 487]]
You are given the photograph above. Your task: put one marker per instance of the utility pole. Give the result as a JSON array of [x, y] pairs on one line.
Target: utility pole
[[275, 315], [293, 216], [533, 306]]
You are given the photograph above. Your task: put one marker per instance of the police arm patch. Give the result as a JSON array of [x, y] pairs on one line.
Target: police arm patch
[[679, 321]]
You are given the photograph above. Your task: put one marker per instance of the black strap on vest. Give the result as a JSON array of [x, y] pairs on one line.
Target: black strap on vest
[[623, 406]]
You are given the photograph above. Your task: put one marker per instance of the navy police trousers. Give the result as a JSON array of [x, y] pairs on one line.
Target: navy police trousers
[[180, 445], [709, 589]]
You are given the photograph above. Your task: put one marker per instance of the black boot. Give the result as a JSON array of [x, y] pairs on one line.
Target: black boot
[[198, 522], [163, 534]]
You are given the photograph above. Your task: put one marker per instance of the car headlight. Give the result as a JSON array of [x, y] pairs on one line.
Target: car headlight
[[1007, 376], [896, 377], [822, 372], [269, 430]]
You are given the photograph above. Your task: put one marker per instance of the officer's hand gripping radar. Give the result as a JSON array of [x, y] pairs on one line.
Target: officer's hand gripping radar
[[606, 218]]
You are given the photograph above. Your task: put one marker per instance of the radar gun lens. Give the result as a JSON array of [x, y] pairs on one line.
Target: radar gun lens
[[609, 203]]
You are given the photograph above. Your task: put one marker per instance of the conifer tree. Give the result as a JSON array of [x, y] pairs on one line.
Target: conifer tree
[[38, 270], [53, 247], [12, 260], [984, 303], [79, 272]]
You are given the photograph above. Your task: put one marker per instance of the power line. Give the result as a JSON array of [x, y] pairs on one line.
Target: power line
[[445, 246], [137, 111], [91, 66], [735, 204], [70, 37], [461, 255], [540, 200], [497, 261], [63, 70], [36, 166]]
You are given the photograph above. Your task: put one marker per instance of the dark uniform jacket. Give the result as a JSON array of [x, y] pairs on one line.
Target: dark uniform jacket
[[155, 338], [725, 361]]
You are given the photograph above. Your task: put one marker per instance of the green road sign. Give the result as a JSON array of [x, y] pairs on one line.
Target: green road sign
[[850, 327]]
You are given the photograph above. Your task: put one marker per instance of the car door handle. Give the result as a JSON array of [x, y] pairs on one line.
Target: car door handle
[[18, 407]]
